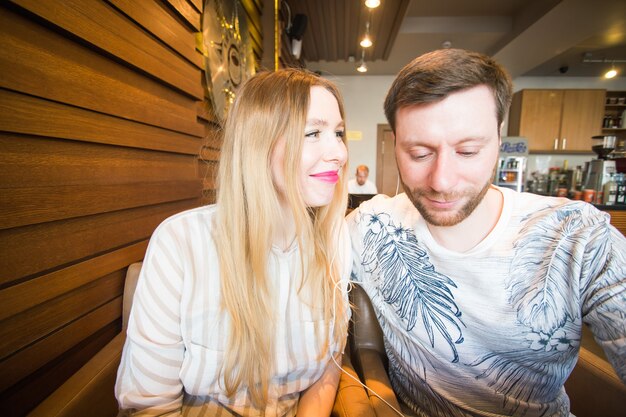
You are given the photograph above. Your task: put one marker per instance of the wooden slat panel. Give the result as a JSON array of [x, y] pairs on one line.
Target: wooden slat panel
[[189, 14], [154, 19], [32, 205], [79, 76], [24, 396], [57, 244], [29, 326], [197, 4], [106, 28], [28, 360], [254, 21], [20, 113], [20, 297], [28, 160]]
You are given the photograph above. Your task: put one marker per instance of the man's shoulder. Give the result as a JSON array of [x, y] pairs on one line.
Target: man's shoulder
[[536, 209]]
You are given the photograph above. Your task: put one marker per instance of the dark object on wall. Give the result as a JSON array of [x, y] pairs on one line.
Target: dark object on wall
[[298, 26], [563, 69]]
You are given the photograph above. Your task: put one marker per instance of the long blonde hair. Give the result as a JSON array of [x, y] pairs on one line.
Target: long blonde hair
[[270, 106]]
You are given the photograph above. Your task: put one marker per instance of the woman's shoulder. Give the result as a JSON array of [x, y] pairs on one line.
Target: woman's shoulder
[[188, 221]]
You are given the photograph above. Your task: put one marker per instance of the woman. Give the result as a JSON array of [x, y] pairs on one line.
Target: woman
[[240, 305]]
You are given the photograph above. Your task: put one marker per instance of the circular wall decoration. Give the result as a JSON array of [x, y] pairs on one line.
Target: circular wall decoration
[[228, 58]]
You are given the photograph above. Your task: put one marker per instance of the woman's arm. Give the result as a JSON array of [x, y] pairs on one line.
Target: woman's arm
[[148, 377], [318, 399]]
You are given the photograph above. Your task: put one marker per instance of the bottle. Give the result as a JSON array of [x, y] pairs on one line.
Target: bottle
[[620, 197], [609, 192]]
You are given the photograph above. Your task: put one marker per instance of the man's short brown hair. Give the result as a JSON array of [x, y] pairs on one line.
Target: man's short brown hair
[[435, 75]]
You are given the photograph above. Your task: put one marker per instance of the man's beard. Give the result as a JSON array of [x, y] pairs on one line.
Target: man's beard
[[441, 218]]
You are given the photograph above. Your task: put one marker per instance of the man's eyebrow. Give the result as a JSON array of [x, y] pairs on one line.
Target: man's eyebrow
[[425, 143]]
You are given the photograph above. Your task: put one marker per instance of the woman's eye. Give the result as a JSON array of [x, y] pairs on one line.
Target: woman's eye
[[467, 153], [313, 134], [340, 134]]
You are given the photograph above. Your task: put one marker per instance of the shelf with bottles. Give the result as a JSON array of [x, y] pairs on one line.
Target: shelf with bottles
[[510, 172], [614, 112]]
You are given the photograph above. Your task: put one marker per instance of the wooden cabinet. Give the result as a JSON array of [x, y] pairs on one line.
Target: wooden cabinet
[[557, 120]]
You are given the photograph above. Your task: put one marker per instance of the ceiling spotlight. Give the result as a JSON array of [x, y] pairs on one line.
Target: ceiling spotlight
[[372, 4], [610, 73]]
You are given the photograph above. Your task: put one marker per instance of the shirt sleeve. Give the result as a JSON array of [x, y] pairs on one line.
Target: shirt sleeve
[[356, 245], [148, 382], [604, 295]]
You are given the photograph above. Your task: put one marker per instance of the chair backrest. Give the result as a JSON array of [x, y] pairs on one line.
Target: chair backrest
[[132, 274], [366, 330]]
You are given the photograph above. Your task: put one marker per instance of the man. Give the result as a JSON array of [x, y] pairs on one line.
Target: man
[[480, 291], [360, 184]]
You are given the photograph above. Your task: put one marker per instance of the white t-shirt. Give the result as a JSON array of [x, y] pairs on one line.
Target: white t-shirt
[[177, 333], [367, 188], [493, 331]]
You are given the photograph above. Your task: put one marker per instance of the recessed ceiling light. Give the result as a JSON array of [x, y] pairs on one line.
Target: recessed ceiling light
[[372, 4]]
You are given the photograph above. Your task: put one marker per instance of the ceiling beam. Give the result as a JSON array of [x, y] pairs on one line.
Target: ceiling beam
[[563, 27]]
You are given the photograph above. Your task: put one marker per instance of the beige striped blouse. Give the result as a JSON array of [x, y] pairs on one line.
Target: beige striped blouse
[[177, 334]]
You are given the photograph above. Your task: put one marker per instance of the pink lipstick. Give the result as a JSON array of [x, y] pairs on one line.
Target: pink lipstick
[[327, 176]]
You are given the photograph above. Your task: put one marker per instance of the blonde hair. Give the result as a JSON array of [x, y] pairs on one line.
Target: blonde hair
[[270, 106]]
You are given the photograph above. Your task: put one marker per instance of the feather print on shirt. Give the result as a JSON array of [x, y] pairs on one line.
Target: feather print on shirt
[[542, 278], [410, 283]]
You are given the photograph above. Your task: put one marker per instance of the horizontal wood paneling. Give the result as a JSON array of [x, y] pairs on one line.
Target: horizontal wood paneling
[[27, 160], [26, 114], [23, 396], [105, 131], [61, 243], [32, 205], [149, 14], [31, 325], [104, 27], [189, 13], [197, 4], [21, 297], [80, 76]]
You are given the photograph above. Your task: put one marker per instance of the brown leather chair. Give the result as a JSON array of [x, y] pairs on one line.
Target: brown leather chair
[[89, 392], [366, 358]]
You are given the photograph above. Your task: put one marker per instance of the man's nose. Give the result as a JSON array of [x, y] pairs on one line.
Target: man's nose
[[443, 175]]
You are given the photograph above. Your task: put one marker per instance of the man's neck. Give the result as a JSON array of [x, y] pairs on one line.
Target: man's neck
[[470, 232]]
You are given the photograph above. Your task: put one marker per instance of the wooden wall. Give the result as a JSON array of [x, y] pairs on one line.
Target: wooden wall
[[105, 131]]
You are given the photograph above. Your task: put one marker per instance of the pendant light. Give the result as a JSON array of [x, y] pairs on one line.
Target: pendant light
[[362, 67], [366, 42]]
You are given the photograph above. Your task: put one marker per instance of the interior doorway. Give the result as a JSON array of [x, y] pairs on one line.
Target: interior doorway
[[387, 178]]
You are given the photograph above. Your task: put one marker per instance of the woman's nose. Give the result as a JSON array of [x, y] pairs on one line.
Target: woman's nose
[[336, 151]]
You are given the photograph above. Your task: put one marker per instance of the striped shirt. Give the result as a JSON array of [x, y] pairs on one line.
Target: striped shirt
[[177, 333]]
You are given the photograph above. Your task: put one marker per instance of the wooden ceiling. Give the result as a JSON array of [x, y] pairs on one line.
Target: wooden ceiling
[[335, 28]]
